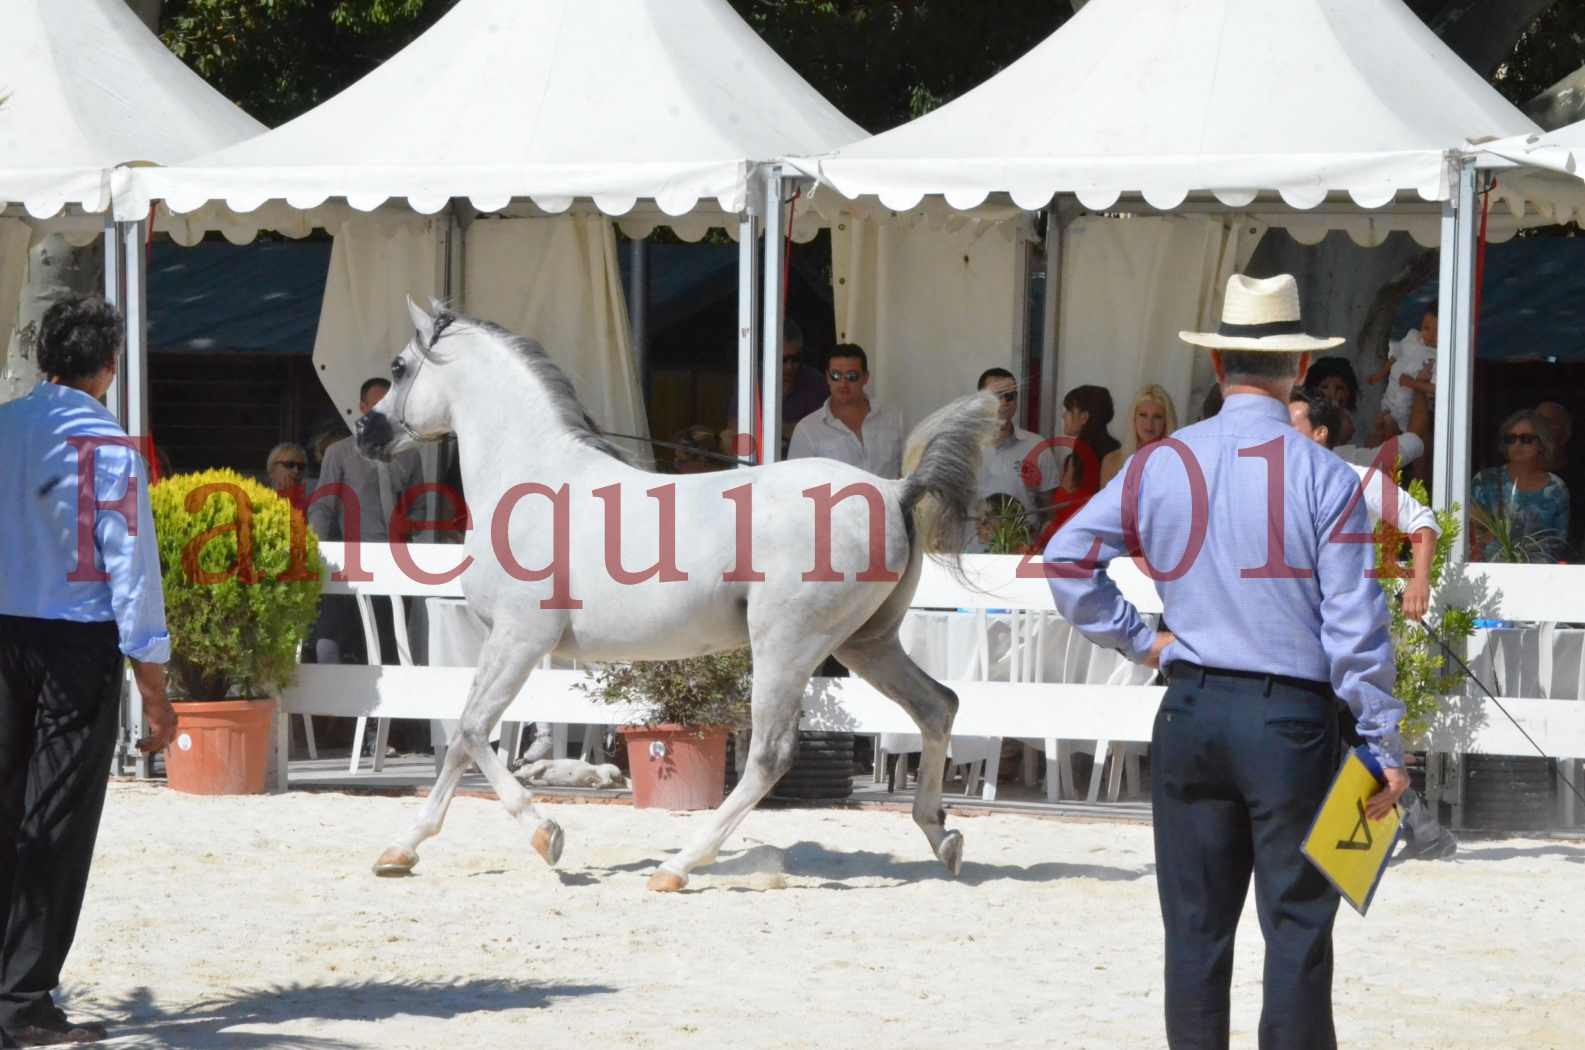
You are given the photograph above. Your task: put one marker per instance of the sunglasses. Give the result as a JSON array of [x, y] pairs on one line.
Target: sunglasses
[[851, 377], [1520, 439], [291, 464], [1008, 396]]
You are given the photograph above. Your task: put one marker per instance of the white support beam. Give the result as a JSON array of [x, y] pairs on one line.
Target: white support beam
[[136, 310], [747, 331], [115, 397], [774, 317], [1455, 364]]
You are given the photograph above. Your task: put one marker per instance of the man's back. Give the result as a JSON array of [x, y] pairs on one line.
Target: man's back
[[1260, 551]]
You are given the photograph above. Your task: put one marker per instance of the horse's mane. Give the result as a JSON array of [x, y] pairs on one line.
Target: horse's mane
[[563, 398]]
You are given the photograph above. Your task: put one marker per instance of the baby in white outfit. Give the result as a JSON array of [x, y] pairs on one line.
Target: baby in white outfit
[[1406, 359]]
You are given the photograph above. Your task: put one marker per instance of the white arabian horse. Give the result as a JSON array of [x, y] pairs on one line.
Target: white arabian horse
[[533, 463]]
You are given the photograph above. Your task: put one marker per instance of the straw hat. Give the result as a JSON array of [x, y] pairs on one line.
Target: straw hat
[[1260, 315]]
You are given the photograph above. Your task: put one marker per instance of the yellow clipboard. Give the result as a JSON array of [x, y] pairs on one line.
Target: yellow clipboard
[[1345, 845]]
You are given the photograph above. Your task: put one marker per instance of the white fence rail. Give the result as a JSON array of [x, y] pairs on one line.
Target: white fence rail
[[1007, 709]]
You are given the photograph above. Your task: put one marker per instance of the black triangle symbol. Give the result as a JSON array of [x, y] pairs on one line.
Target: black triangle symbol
[[1352, 842]]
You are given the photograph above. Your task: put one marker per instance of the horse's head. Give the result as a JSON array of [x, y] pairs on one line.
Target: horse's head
[[416, 408]]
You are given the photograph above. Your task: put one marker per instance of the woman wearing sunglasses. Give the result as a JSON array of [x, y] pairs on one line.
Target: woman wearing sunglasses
[[1520, 498], [286, 468]]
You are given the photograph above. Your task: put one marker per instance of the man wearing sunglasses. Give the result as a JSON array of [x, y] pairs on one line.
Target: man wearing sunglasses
[[849, 427], [1008, 467]]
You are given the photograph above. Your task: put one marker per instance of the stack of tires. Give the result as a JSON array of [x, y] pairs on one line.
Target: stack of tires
[[1509, 793], [823, 768]]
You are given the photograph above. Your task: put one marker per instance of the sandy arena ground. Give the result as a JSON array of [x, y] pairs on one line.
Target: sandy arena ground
[[244, 923]]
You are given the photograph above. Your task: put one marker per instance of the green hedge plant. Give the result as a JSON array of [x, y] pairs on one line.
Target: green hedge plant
[[1425, 675], [241, 579]]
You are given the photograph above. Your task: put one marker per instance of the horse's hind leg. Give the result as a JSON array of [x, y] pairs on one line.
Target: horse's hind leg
[[778, 698], [504, 665], [932, 706]]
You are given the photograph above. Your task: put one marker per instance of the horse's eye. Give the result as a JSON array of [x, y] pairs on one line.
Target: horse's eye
[[397, 368]]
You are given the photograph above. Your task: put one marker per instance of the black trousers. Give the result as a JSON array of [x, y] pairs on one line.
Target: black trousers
[[60, 689], [1239, 767]]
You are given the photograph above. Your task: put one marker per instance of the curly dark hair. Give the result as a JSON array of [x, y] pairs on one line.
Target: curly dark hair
[[79, 338]]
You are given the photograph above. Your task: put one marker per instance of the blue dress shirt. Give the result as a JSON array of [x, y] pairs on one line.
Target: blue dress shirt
[[38, 546], [1233, 604]]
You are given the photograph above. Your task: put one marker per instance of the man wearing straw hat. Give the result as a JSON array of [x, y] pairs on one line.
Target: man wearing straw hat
[[1245, 526]]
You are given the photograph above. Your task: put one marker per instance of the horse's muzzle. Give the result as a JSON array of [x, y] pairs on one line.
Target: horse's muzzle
[[375, 435]]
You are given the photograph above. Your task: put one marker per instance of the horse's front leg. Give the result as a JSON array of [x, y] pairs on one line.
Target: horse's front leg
[[504, 665]]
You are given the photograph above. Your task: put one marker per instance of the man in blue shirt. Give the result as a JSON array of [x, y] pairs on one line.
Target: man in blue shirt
[[80, 593], [1260, 550]]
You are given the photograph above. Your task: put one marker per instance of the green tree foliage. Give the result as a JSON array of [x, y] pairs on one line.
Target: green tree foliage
[[280, 58], [884, 62]]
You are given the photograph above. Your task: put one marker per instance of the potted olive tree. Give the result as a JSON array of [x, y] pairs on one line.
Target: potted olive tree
[[677, 752], [241, 581]]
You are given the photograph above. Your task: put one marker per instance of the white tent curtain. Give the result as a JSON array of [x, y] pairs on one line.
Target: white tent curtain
[[555, 280], [1129, 286], [374, 268], [932, 308], [14, 238]]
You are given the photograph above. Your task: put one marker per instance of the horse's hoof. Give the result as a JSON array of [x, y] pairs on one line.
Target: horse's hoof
[[548, 841], [395, 862], [664, 881], [951, 852]]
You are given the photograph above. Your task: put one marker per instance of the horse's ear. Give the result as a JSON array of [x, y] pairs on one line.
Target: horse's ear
[[423, 324]]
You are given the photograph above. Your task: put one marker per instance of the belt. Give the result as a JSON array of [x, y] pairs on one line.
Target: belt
[[1183, 670]]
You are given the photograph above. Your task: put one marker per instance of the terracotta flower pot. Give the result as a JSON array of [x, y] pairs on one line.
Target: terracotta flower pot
[[677, 767], [222, 747]]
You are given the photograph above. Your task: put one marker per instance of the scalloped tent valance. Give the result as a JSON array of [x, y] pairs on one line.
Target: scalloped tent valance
[[550, 101], [1228, 97], [1546, 171], [88, 88]]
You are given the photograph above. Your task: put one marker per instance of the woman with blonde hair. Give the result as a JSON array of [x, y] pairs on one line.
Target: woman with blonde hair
[[1152, 417]]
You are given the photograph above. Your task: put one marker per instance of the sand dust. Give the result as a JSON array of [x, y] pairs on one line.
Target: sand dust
[[243, 923]]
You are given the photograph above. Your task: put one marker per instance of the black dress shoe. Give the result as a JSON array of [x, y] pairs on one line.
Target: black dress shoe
[[56, 1031]]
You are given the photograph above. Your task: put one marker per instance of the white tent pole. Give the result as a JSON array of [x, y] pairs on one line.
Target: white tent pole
[[136, 312], [115, 397], [1456, 362], [1056, 237], [638, 304], [747, 325], [770, 369]]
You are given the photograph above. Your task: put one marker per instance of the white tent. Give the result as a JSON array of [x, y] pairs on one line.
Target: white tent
[[1546, 170], [1230, 97], [649, 109], [87, 87], [1230, 112]]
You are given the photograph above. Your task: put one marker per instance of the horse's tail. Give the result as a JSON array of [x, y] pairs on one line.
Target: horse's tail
[[941, 461]]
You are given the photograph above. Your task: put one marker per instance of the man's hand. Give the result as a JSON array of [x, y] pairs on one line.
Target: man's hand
[[1416, 598], [157, 709], [1163, 639], [1385, 798]]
